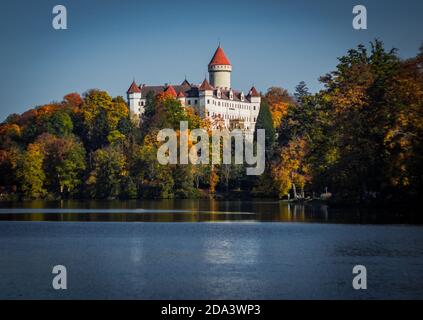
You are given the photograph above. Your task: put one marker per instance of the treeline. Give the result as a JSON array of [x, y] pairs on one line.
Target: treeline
[[359, 138]]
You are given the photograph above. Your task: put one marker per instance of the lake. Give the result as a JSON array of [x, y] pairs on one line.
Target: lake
[[206, 249]]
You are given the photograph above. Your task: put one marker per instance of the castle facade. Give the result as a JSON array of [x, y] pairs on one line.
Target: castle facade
[[214, 99]]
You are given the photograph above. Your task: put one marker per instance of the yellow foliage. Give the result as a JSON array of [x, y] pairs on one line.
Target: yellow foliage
[[291, 168]]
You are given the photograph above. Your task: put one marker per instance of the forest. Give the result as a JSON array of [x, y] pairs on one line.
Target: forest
[[358, 139]]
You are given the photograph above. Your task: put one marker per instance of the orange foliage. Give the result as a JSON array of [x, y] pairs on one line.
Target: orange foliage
[[163, 96], [279, 101], [10, 130], [73, 99]]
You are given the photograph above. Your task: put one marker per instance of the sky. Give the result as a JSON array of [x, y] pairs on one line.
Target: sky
[[109, 43]]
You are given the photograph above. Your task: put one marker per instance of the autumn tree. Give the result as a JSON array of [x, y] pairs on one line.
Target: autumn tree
[[108, 170], [278, 100], [30, 172], [101, 116], [64, 163], [290, 171]]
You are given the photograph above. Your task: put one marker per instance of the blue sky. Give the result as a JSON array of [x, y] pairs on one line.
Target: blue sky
[[108, 43]]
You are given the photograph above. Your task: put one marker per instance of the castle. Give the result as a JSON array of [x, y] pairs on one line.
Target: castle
[[214, 99]]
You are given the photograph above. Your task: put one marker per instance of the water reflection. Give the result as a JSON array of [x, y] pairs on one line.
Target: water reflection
[[136, 250], [196, 211], [227, 251]]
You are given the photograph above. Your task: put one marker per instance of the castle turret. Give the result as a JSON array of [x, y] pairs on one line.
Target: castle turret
[[254, 96], [206, 89], [181, 98], [134, 99], [220, 70]]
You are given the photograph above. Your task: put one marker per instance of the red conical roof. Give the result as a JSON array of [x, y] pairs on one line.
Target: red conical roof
[[133, 88], [219, 58], [205, 86], [181, 94]]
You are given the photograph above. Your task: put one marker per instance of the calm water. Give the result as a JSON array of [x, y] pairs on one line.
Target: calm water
[[255, 250], [197, 211]]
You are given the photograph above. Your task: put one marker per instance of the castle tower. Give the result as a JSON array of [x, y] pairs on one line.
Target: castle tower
[[134, 98], [220, 70]]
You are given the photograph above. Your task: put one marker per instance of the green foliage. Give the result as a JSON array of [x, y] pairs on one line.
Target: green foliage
[[59, 123], [264, 121], [108, 170]]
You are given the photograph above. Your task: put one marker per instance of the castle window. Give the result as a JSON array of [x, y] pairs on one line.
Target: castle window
[[195, 102], [254, 107], [189, 102], [208, 101]]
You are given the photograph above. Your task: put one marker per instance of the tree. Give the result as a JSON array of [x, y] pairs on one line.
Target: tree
[[73, 100], [403, 139], [59, 123], [108, 170], [30, 172], [64, 163], [291, 170], [278, 100], [301, 92], [101, 116], [363, 109], [265, 121], [8, 163]]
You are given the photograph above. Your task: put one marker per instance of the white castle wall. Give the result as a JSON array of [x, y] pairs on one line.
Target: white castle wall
[[220, 76], [134, 103], [210, 107], [231, 110]]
